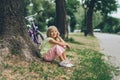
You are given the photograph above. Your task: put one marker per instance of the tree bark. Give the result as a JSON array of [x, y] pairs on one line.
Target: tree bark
[[14, 37], [89, 17], [61, 22], [89, 22]]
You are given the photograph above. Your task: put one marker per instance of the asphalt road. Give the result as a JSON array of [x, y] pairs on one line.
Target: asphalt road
[[110, 46]]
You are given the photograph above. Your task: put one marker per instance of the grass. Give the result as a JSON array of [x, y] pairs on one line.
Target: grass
[[84, 54], [91, 67]]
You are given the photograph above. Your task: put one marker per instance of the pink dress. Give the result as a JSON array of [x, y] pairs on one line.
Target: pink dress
[[50, 51], [54, 52]]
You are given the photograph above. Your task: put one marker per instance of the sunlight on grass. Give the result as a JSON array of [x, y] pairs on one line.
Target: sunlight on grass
[[85, 42], [84, 54], [91, 66]]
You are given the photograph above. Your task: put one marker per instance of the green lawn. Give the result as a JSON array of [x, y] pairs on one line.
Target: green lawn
[[84, 54]]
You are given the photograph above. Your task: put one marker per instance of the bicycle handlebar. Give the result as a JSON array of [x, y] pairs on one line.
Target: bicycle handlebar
[[31, 17]]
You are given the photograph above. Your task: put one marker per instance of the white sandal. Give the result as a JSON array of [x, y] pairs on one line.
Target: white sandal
[[66, 64]]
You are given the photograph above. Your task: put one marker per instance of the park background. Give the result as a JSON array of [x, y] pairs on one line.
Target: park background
[[20, 58]]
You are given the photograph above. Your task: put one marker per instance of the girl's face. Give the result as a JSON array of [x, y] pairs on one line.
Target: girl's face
[[53, 33]]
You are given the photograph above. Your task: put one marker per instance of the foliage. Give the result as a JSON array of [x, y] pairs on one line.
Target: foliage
[[73, 23], [79, 17], [48, 14], [97, 19], [111, 25], [104, 6], [71, 7], [46, 11], [74, 10]]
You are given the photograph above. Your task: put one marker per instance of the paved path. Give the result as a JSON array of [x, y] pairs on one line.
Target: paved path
[[110, 46]]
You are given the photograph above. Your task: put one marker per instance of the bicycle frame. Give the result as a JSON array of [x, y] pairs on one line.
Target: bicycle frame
[[33, 30]]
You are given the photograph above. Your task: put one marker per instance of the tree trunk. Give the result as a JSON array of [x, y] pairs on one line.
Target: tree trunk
[[89, 17], [89, 22], [61, 22], [14, 37]]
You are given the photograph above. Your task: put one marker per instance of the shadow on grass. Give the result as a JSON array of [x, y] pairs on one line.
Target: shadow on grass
[[71, 40]]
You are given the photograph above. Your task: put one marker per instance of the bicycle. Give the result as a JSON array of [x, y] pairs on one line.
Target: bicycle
[[33, 31]]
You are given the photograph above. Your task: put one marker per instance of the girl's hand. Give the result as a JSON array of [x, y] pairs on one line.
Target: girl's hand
[[58, 34], [61, 43], [68, 46]]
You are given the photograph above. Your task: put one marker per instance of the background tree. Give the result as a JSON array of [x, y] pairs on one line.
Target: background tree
[[104, 6], [13, 33], [61, 22]]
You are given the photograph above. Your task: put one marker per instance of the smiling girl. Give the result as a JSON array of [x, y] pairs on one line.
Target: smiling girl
[[54, 46]]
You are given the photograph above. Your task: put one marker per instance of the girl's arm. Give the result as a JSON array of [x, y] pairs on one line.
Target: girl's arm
[[60, 39], [60, 42], [57, 42]]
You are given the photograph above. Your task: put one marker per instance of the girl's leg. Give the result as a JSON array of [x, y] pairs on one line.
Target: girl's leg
[[61, 58], [64, 55], [60, 51], [56, 51]]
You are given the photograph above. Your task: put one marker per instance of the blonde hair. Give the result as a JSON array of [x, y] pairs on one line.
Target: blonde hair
[[50, 28]]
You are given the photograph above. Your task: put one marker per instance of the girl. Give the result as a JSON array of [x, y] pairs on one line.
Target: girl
[[54, 46]]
